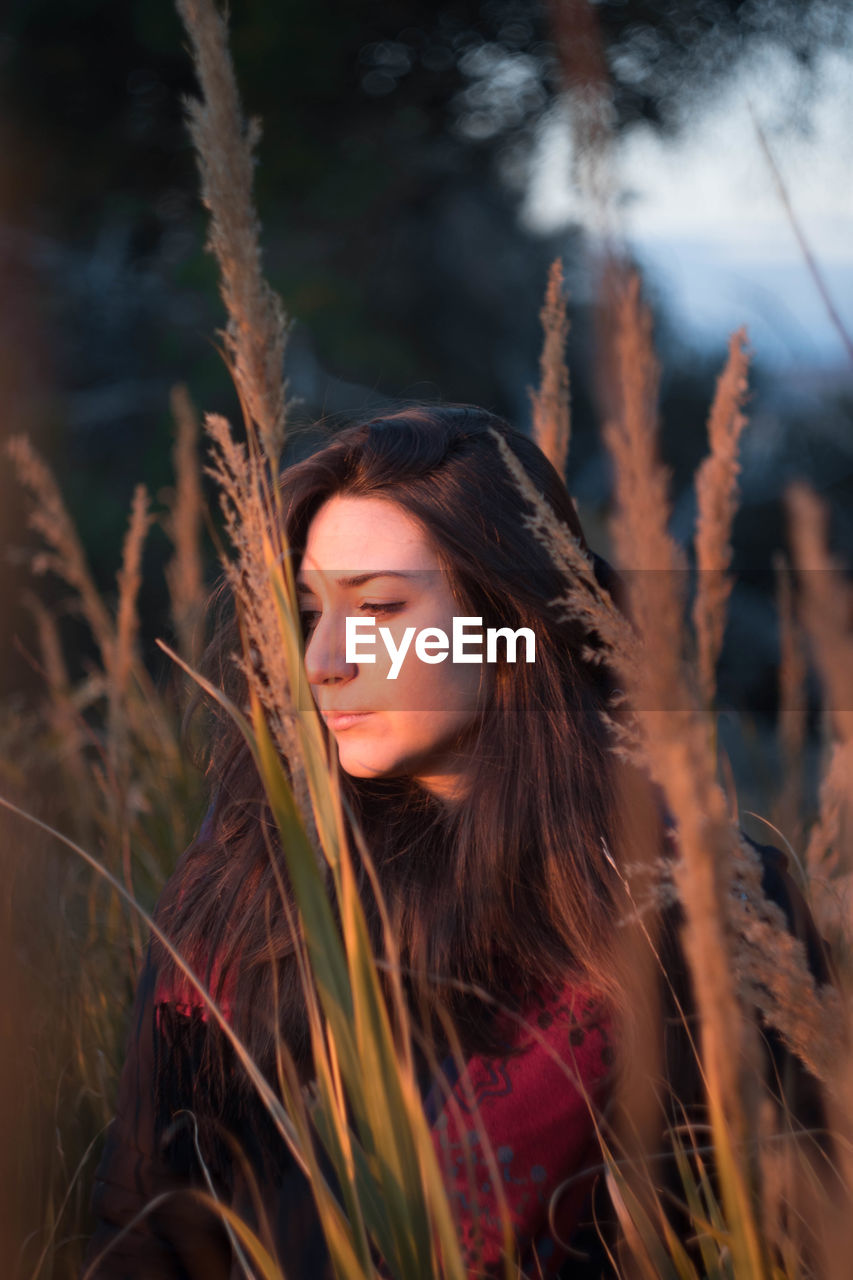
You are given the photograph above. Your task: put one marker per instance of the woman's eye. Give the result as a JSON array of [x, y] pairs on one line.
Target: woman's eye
[[382, 607], [310, 617]]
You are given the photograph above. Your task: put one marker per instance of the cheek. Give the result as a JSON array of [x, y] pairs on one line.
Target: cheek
[[461, 691], [436, 703], [448, 690], [416, 735], [426, 707]]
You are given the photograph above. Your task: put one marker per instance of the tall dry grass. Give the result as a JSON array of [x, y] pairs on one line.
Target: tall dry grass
[[743, 961], [256, 332], [103, 762], [63, 553], [716, 499], [184, 525], [672, 737], [793, 674], [583, 65], [550, 401], [826, 612], [805, 248]]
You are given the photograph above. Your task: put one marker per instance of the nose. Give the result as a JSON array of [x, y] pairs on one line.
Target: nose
[[325, 653]]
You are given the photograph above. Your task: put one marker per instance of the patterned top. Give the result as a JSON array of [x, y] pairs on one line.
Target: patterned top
[[536, 1109], [526, 1115]]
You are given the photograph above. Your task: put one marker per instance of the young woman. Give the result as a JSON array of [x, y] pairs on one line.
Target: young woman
[[488, 798]]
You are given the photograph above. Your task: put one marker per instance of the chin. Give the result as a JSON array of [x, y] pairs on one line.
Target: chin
[[377, 764], [366, 768]]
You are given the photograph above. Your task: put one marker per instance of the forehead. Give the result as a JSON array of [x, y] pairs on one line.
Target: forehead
[[360, 535]]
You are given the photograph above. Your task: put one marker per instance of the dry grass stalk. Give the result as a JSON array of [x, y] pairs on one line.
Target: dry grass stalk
[[805, 248], [551, 405], [793, 668], [585, 599], [771, 968], [122, 708], [185, 571], [826, 603], [793, 1200], [828, 854], [54, 669], [642, 482], [63, 716], [583, 64], [589, 97], [114, 636], [66, 557], [255, 340], [239, 474], [129, 581], [675, 737], [826, 608], [770, 965], [734, 934], [825, 599], [716, 497], [773, 975], [257, 328], [655, 568]]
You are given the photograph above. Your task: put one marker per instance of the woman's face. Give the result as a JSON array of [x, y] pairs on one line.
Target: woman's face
[[419, 724]]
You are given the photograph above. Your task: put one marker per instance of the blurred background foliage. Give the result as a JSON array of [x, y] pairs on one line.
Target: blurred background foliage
[[391, 180]]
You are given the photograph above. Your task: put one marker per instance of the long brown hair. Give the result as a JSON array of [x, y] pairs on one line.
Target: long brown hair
[[507, 892]]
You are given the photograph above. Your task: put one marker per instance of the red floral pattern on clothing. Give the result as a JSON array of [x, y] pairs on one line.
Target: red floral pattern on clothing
[[536, 1109]]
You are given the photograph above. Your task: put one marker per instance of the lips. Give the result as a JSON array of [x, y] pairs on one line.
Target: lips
[[339, 720]]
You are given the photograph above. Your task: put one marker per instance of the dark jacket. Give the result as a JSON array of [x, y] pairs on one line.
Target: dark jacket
[[148, 1222]]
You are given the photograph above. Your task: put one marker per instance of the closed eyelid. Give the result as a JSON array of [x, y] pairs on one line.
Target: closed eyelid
[[306, 608], [365, 604]]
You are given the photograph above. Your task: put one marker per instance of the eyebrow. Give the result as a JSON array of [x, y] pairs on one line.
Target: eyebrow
[[359, 579]]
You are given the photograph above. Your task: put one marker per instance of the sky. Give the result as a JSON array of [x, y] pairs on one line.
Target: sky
[[704, 218]]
